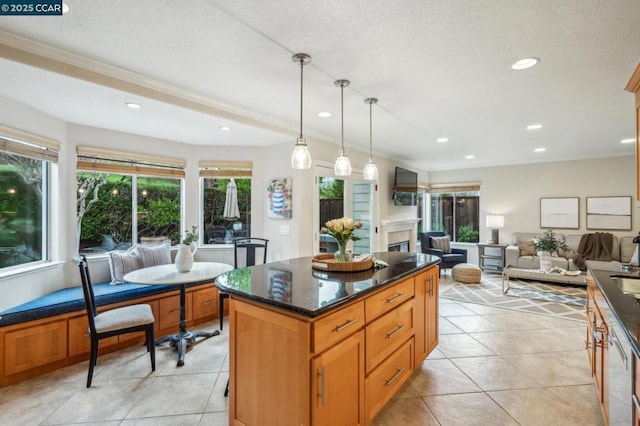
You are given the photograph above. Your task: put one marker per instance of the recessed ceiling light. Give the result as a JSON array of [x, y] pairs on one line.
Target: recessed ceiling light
[[442, 140], [525, 63], [534, 126], [225, 128], [470, 157], [630, 140], [324, 114], [133, 105], [65, 8], [541, 149]]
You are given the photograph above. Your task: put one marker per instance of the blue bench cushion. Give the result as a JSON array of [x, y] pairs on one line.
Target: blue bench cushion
[[71, 299]]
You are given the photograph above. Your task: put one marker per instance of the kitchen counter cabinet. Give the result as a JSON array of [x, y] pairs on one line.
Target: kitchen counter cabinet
[[290, 365], [596, 340]]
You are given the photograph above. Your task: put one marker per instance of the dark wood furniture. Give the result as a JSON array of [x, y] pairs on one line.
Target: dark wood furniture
[[114, 322]]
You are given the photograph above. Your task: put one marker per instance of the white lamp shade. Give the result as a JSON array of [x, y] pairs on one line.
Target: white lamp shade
[[301, 157], [370, 171], [342, 166], [495, 221]]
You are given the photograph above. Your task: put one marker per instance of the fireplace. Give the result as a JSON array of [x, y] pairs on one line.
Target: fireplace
[[399, 235], [402, 246]]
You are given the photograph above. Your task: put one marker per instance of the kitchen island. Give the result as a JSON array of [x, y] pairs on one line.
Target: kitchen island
[[311, 347], [613, 340]]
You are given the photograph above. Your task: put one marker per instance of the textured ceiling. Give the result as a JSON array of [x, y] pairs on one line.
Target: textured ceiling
[[439, 69]]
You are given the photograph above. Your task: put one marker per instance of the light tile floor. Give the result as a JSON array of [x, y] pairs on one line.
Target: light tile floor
[[492, 367]]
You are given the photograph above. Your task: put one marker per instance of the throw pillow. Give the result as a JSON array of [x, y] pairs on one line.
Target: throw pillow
[[526, 246], [441, 243], [155, 255], [123, 262]]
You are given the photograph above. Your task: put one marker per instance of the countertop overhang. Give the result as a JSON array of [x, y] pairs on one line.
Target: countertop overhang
[[293, 285], [624, 307]]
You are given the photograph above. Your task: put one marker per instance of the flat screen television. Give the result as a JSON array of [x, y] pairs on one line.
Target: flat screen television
[[405, 187]]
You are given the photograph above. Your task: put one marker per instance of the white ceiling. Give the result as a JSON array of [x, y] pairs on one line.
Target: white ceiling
[[439, 69]]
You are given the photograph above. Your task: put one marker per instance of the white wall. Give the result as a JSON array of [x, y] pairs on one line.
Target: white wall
[[515, 191]]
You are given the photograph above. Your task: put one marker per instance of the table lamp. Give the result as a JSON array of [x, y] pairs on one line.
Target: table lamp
[[494, 222]]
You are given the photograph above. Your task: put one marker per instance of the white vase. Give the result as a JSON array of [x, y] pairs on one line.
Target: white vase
[[545, 260], [184, 257]]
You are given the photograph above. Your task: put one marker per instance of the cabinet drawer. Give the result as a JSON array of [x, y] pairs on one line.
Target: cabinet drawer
[[384, 335], [388, 299], [79, 340], [35, 346], [334, 327], [205, 303], [170, 311], [385, 381]]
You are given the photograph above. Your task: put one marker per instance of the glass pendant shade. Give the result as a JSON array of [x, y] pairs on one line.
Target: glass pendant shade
[[370, 171], [343, 165], [301, 157]]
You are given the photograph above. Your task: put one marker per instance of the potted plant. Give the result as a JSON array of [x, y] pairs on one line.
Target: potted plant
[[547, 245]]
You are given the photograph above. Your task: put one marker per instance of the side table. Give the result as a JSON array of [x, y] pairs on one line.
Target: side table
[[496, 261]]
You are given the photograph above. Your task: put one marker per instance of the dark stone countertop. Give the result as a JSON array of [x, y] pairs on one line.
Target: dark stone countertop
[[292, 285], [625, 307]]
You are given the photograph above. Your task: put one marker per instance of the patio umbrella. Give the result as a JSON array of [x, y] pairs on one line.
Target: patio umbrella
[[231, 210]]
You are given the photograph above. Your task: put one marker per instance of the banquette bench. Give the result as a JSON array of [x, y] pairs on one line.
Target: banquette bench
[[51, 332]]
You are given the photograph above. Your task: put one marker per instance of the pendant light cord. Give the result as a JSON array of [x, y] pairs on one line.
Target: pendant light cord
[[301, 87], [370, 131], [342, 114]]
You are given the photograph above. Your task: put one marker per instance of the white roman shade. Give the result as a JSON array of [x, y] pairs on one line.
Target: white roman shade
[[225, 169], [107, 161], [18, 142]]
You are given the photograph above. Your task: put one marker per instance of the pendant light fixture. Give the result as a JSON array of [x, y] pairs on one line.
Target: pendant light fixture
[[370, 171], [343, 165], [301, 157]]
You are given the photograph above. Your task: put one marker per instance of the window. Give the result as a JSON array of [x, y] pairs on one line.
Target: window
[[226, 200], [455, 209], [123, 199], [24, 169]]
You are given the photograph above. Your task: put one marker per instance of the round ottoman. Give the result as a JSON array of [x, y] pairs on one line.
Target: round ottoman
[[466, 273]]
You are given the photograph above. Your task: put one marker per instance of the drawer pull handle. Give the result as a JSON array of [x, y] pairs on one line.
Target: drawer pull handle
[[394, 298], [634, 398], [395, 377], [174, 311], [206, 303], [394, 332], [346, 324]]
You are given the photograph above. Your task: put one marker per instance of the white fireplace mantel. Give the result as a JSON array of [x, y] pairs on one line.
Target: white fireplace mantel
[[396, 225]]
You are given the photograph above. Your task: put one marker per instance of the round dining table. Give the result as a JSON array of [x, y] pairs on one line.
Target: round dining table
[[201, 273]]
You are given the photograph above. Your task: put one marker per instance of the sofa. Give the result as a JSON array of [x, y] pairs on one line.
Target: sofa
[[521, 253]]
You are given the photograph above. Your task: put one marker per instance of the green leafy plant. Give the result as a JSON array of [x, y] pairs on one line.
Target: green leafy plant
[[548, 242], [191, 236], [467, 235]]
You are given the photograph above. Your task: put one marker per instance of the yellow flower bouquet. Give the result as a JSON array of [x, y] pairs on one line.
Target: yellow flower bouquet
[[343, 230]]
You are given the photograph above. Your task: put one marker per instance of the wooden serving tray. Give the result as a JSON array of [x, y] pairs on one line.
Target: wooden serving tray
[[327, 262]]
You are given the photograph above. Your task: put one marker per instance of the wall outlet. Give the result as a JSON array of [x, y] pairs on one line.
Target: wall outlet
[[285, 230]]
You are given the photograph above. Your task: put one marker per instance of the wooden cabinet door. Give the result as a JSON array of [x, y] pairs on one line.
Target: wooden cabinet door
[[79, 340], [35, 346], [426, 314], [432, 311], [337, 389], [205, 303]]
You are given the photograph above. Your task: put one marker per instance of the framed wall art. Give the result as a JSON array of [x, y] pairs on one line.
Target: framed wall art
[[279, 199], [609, 213], [560, 213]]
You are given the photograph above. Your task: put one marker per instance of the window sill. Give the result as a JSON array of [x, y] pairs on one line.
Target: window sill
[[18, 271]]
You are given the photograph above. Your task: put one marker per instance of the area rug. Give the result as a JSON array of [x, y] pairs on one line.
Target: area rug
[[556, 300]]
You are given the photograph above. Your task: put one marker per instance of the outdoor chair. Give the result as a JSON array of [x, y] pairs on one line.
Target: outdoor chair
[[127, 319]]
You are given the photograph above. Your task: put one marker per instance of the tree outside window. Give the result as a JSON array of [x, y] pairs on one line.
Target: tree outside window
[[457, 214], [22, 211], [110, 223]]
